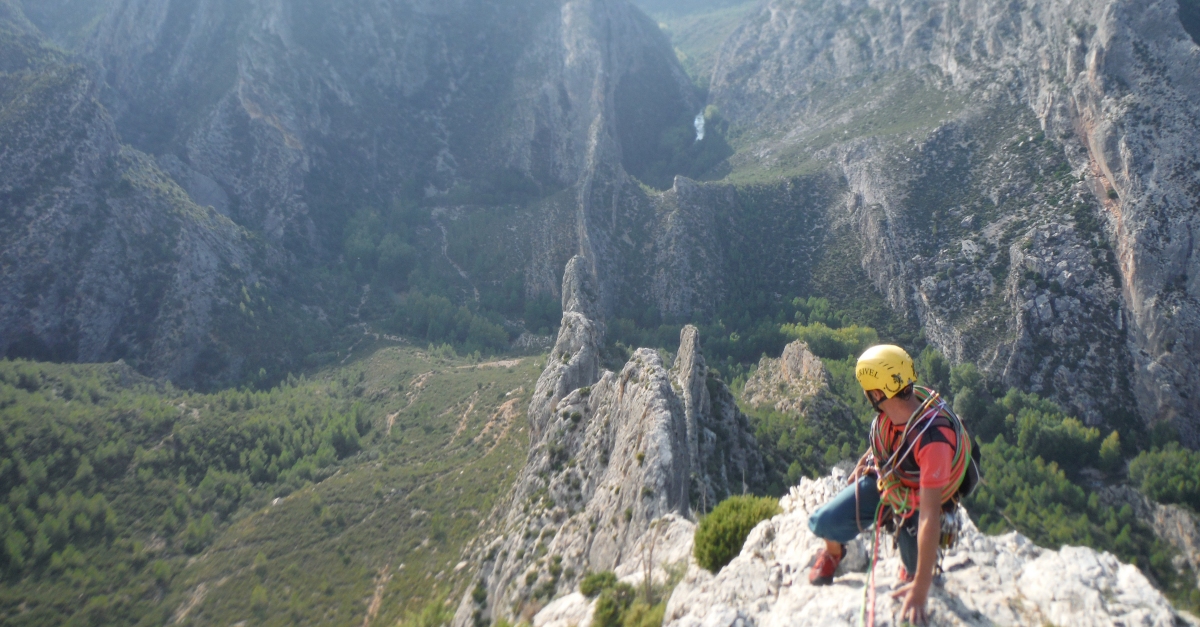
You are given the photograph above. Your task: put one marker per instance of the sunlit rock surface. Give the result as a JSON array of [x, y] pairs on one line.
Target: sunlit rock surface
[[1003, 580]]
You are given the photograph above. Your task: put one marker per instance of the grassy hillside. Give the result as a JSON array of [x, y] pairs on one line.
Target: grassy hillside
[[326, 500]]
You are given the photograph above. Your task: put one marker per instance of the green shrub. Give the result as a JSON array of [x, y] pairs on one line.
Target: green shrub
[[259, 600], [435, 614], [1168, 475], [642, 614], [1110, 452], [721, 533], [612, 604], [595, 583]]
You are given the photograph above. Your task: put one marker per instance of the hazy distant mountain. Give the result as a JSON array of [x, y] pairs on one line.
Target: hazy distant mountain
[[1015, 180]]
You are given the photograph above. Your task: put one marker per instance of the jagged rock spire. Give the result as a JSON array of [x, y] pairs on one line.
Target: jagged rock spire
[[611, 456]]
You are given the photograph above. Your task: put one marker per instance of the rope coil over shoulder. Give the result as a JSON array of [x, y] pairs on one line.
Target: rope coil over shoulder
[[898, 485]]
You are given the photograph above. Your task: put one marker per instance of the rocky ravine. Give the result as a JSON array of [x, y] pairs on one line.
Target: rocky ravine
[[1003, 580], [611, 455]]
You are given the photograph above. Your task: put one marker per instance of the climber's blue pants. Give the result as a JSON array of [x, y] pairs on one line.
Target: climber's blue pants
[[836, 520]]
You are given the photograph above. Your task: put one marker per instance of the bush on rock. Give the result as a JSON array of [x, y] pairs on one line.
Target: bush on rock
[[721, 533]]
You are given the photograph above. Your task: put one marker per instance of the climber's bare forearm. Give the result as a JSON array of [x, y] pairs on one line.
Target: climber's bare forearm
[[928, 534], [916, 594]]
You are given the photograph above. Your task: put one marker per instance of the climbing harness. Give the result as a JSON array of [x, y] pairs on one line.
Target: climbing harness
[[897, 484]]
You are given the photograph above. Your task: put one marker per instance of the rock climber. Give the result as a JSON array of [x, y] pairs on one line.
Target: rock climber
[[918, 466]]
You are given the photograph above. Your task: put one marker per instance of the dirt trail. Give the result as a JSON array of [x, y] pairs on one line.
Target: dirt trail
[[381, 582], [194, 599], [462, 422], [511, 363], [416, 386], [502, 419], [437, 214]]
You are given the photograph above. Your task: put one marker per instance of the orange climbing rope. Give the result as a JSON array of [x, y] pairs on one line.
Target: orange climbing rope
[[897, 487]]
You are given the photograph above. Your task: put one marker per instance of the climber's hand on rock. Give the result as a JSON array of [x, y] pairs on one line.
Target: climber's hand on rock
[[915, 600]]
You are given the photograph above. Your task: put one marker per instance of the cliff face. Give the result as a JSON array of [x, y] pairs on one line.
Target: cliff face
[[104, 256], [1016, 176], [611, 455], [284, 119], [298, 111], [1003, 580]]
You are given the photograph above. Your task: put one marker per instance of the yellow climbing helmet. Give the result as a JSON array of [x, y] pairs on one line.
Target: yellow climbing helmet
[[885, 367]]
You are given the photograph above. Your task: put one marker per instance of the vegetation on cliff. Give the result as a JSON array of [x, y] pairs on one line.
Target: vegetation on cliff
[[722, 532], [125, 500]]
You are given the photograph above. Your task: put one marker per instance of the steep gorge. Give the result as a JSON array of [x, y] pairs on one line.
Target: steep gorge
[[1018, 181]]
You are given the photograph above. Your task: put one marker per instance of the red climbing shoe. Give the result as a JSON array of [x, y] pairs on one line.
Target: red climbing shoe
[[822, 571], [905, 576]]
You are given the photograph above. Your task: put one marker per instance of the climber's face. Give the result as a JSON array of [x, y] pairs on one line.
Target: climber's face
[[898, 409], [877, 397]]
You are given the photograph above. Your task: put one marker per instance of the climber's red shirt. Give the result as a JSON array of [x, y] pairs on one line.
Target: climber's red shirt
[[935, 459]]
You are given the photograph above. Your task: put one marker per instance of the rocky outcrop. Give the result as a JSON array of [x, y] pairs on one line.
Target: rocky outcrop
[[660, 557], [993, 154], [1171, 523], [1003, 580], [797, 385], [612, 456], [787, 383]]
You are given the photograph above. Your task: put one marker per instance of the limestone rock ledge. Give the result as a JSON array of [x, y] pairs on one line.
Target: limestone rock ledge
[[1003, 580]]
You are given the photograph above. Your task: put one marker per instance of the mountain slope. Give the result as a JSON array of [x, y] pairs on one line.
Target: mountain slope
[[129, 501], [105, 256], [991, 156]]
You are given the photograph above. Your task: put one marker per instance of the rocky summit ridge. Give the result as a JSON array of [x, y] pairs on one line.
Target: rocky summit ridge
[[614, 458], [986, 581], [1000, 580]]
